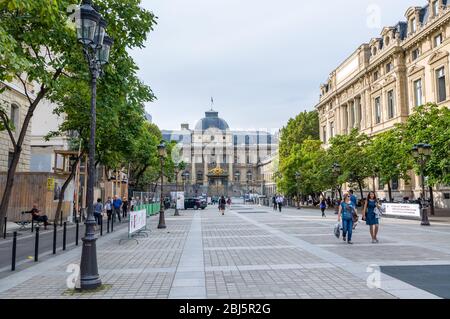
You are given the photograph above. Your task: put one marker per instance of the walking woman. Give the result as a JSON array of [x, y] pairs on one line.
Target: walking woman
[[346, 210], [370, 217], [323, 206], [222, 203]]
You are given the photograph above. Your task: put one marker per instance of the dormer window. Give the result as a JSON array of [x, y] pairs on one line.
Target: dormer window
[[435, 8], [374, 51], [387, 40], [413, 25]]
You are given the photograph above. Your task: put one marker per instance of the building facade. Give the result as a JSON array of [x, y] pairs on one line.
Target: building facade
[[383, 80], [267, 170], [219, 160]]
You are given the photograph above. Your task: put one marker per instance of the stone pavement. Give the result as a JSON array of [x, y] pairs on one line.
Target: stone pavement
[[251, 252]]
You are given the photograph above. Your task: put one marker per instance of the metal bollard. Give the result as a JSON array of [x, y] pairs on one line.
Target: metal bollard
[[4, 230], [64, 235], [54, 239], [61, 222], [108, 222], [77, 232], [101, 225], [13, 262], [36, 246], [112, 224], [32, 224]]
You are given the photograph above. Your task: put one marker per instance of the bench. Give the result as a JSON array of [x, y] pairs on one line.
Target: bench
[[27, 223]]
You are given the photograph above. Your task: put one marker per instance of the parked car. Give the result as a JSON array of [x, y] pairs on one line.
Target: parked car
[[195, 203]]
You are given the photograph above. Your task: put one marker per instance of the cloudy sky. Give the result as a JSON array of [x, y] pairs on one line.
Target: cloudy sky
[[262, 60]]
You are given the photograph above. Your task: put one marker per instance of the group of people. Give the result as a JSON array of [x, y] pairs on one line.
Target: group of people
[[113, 207], [277, 202], [223, 203], [348, 213]]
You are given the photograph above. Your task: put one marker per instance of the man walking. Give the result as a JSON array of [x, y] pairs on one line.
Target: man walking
[[117, 203], [274, 202], [280, 201]]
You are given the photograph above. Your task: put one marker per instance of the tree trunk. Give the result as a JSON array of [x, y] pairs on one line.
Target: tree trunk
[[431, 201], [389, 191], [64, 187], [360, 189]]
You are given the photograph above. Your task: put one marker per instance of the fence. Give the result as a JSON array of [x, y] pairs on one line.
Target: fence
[[152, 209]]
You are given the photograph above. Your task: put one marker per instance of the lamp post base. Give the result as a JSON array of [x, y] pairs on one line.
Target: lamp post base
[[89, 278], [177, 213], [425, 221], [162, 221]]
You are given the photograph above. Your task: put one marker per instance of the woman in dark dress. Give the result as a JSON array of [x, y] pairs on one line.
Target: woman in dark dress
[[222, 203], [370, 217]]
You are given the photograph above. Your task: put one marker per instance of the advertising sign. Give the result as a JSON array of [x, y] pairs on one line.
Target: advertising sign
[[138, 220], [408, 210], [180, 200]]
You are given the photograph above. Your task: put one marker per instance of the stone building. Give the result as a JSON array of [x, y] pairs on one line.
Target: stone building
[[383, 80], [221, 161]]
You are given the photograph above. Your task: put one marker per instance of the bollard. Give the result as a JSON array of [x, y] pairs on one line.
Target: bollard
[[64, 235], [108, 226], [61, 218], [54, 239], [36, 246], [13, 262], [77, 232], [112, 224], [32, 224], [4, 230], [101, 225]]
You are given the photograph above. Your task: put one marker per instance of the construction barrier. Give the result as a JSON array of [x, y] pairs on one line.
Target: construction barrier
[[151, 209]]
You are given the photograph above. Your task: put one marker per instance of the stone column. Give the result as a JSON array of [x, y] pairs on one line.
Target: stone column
[[193, 171]]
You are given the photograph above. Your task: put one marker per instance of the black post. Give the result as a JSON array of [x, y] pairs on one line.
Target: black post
[[36, 246], [101, 225], [32, 223], [61, 222], [54, 238], [112, 222], [162, 220], [64, 235], [77, 234], [4, 229], [13, 261], [107, 228]]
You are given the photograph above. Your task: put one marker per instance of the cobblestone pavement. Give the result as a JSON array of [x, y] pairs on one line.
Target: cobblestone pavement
[[251, 252]]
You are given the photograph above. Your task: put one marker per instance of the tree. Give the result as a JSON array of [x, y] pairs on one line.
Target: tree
[[39, 47], [351, 153], [390, 157]]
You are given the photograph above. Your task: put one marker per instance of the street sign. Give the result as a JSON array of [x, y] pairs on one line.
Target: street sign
[[408, 210]]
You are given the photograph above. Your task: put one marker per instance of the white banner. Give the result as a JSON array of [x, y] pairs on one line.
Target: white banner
[[180, 200], [409, 210], [138, 220]]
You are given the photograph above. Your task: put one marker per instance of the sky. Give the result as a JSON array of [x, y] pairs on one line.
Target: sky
[[262, 61]]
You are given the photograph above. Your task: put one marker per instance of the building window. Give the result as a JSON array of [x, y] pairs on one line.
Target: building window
[[391, 104], [435, 8], [441, 89], [247, 140], [378, 110], [14, 117], [380, 185], [437, 40], [387, 41], [415, 54], [324, 132], [389, 67], [200, 176], [413, 25], [375, 75], [331, 129], [235, 138], [418, 92], [394, 185]]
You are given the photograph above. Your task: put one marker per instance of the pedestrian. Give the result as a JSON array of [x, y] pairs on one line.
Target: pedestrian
[[222, 203], [98, 211], [354, 201], [229, 202], [346, 210], [36, 216], [274, 202], [125, 205], [117, 204], [323, 206], [132, 203], [109, 208], [368, 214], [280, 200]]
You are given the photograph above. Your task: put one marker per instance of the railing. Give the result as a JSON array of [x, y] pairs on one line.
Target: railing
[[152, 209]]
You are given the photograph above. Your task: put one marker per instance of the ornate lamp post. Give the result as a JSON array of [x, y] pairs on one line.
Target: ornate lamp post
[[422, 153], [298, 175], [96, 47], [336, 171], [177, 171], [162, 155]]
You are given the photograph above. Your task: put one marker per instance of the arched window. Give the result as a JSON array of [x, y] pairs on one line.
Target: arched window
[[14, 117], [247, 140]]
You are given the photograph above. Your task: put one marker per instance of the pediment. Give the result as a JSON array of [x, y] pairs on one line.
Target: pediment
[[437, 56], [414, 69]]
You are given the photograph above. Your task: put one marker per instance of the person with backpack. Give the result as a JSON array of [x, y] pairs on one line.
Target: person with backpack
[[346, 211], [222, 204], [323, 206]]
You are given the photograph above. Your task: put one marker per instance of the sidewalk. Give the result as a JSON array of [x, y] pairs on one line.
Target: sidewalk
[[251, 252]]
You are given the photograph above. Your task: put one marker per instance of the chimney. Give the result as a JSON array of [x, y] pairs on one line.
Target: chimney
[[184, 126]]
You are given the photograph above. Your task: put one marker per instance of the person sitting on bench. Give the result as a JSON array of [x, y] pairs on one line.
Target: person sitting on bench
[[35, 213]]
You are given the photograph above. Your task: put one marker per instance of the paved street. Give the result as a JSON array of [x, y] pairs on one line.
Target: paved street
[[252, 252]]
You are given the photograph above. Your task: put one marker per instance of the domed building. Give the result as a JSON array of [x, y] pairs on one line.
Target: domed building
[[221, 161]]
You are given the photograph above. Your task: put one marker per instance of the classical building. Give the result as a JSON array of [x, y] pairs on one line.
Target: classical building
[[268, 168], [220, 160], [15, 103], [383, 80]]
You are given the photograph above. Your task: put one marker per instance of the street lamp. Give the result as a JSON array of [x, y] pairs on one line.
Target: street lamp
[[96, 47], [422, 152], [177, 170], [162, 155], [297, 179], [336, 171]]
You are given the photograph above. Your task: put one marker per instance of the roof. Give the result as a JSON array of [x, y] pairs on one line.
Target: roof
[[211, 120]]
